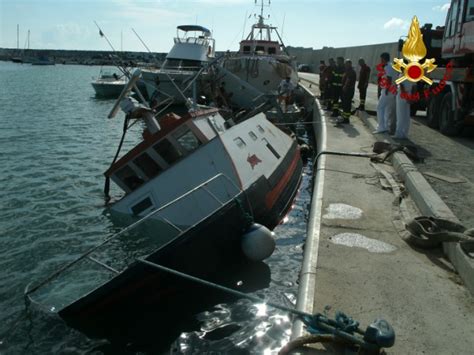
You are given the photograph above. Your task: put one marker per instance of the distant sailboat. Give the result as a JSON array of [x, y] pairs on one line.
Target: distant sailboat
[[19, 56]]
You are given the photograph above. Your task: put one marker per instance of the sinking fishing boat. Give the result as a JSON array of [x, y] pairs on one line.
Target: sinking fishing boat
[[193, 48], [179, 152], [201, 182]]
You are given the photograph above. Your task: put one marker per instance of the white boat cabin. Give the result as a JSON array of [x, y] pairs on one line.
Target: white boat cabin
[[193, 46], [259, 40], [177, 138], [188, 151]]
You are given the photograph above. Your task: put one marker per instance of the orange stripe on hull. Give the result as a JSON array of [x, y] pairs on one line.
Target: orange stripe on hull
[[273, 195]]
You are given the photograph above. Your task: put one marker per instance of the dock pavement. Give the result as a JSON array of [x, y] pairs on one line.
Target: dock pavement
[[356, 258]]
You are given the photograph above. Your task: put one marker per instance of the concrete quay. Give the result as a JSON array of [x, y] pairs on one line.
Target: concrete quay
[[357, 262]]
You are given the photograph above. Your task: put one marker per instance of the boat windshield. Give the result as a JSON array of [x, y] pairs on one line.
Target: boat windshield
[[183, 64], [201, 40]]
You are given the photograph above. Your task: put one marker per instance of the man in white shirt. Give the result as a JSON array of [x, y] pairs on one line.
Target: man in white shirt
[[386, 105], [285, 91]]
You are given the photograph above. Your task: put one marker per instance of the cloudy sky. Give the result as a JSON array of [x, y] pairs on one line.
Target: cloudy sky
[[69, 24]]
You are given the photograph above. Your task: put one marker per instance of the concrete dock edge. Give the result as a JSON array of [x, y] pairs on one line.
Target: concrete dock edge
[[307, 280], [430, 204]]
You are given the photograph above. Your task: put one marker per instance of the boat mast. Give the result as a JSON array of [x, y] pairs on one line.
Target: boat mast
[[18, 36], [260, 23]]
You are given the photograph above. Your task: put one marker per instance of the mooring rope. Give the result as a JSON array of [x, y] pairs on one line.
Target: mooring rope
[[344, 328]]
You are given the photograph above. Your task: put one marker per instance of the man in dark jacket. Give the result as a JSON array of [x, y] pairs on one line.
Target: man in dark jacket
[[328, 79], [322, 86], [364, 76], [348, 89]]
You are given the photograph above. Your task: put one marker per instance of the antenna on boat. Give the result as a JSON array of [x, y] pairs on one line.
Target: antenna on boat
[[283, 24], [123, 69]]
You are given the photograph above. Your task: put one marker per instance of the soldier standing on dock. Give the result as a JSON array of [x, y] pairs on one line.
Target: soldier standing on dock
[[364, 76]]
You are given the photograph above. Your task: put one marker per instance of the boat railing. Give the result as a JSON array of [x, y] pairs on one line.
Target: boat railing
[[91, 280]]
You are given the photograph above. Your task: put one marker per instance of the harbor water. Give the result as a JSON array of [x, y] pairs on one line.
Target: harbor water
[[55, 144]]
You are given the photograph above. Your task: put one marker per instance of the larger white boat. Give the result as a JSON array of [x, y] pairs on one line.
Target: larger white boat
[[262, 61], [193, 47]]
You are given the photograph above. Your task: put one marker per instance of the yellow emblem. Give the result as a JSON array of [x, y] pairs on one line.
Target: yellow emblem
[[414, 50]]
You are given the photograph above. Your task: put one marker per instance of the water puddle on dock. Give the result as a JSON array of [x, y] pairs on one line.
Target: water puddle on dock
[[360, 241]]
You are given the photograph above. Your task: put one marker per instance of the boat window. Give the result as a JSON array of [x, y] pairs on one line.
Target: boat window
[[240, 142], [246, 49], [188, 141], [270, 147], [190, 64], [260, 128], [171, 63], [129, 177], [142, 206], [271, 50], [167, 151], [253, 135], [259, 49], [147, 165]]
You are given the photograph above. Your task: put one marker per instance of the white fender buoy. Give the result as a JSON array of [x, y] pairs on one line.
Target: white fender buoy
[[258, 243]]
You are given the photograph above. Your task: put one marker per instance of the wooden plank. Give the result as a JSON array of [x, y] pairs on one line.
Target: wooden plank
[[449, 179]]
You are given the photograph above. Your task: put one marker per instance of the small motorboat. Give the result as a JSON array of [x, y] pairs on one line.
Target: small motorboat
[[109, 84]]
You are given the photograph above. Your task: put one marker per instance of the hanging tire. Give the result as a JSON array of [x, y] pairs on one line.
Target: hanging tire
[[432, 111], [447, 119]]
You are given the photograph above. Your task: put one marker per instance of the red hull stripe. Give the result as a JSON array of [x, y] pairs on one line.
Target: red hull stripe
[[273, 195]]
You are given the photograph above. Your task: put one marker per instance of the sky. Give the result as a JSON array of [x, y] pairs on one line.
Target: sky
[[69, 24]]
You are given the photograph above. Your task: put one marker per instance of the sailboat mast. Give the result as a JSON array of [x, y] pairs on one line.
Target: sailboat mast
[[18, 36], [28, 39]]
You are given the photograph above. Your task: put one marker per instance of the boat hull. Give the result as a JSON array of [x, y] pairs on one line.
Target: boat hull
[[166, 81], [262, 72], [108, 90], [271, 198], [203, 251]]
